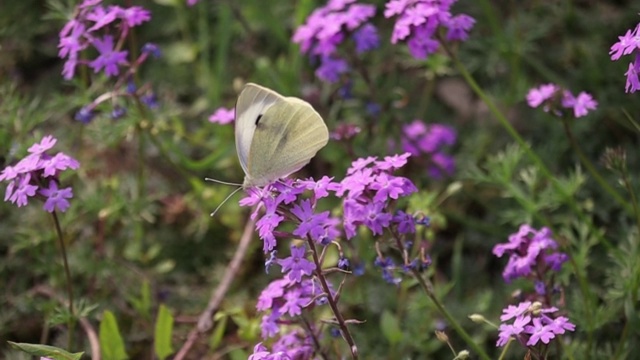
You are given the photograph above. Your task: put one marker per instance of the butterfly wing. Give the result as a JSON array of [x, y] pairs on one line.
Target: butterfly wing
[[285, 139], [253, 102]]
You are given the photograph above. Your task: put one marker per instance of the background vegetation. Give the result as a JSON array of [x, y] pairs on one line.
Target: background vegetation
[[139, 234]]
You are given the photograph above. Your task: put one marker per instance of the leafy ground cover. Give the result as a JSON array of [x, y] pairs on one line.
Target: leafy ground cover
[[476, 198]]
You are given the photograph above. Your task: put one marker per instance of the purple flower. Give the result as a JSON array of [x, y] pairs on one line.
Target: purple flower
[[22, 192], [627, 44], [513, 311], [529, 249], [393, 162], [102, 17], [56, 198], [45, 144], [509, 330], [294, 302], [134, 15], [108, 58], [331, 68], [321, 187], [537, 96], [327, 27], [223, 116], [417, 23], [271, 293], [297, 265], [375, 219], [633, 83], [406, 222], [29, 173], [580, 104], [539, 332], [266, 225], [366, 38], [459, 27]]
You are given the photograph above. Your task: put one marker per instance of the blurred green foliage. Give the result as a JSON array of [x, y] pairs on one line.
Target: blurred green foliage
[[139, 232]]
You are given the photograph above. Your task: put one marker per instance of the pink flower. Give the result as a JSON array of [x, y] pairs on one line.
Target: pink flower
[[223, 116]]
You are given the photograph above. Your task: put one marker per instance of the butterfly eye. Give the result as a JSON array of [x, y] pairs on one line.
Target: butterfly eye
[[258, 119]]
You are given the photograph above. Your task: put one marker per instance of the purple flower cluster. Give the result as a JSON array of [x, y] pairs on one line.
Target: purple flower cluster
[[223, 116], [291, 346], [429, 141], [38, 174], [530, 251], [367, 191], [531, 324], [88, 28], [418, 22], [629, 44], [284, 299], [328, 26], [553, 97]]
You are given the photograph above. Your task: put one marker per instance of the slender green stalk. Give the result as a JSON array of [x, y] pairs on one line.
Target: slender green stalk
[[592, 170], [63, 250], [428, 288]]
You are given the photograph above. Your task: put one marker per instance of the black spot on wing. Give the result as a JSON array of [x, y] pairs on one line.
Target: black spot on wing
[[258, 119]]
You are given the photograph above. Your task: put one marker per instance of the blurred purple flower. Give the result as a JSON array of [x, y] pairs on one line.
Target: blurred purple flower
[[537, 96], [331, 68], [366, 38], [428, 142], [548, 96], [108, 58], [629, 44], [56, 198], [580, 104], [223, 116], [327, 27], [418, 21], [529, 249], [134, 15]]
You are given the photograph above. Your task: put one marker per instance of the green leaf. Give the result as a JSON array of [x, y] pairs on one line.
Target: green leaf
[[218, 333], [162, 336], [51, 352], [111, 343], [390, 328]]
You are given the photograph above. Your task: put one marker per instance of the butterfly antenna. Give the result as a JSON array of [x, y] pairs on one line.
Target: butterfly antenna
[[225, 200], [222, 182]]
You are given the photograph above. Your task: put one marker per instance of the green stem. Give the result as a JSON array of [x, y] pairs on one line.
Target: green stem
[[592, 170], [67, 272], [428, 288]]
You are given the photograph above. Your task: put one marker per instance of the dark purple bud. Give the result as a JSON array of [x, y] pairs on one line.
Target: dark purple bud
[[343, 263], [118, 112], [151, 100], [152, 49], [85, 114]]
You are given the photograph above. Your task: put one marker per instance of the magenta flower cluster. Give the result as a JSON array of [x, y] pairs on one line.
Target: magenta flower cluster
[[531, 324], [368, 192], [88, 29], [629, 44], [530, 251], [553, 98], [418, 21], [327, 27], [37, 174], [429, 142], [284, 299]]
